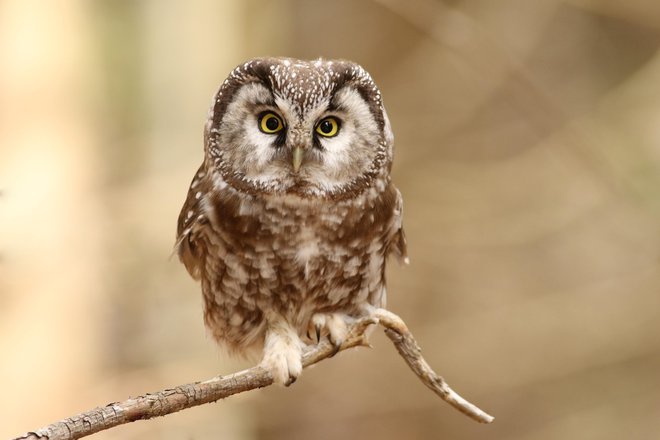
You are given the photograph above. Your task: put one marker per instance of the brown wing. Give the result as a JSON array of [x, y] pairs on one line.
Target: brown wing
[[191, 222], [399, 245]]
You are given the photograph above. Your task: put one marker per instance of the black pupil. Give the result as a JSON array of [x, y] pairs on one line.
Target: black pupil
[[272, 123], [326, 127]]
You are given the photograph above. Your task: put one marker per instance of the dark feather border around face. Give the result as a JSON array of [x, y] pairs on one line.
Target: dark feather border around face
[[349, 74]]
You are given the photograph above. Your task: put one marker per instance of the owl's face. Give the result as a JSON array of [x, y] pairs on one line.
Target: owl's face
[[309, 129]]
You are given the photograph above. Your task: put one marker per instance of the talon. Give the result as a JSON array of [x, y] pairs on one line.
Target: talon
[[336, 345], [318, 332], [291, 381], [335, 349]]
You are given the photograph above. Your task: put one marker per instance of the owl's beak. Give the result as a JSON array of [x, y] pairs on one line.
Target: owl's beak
[[297, 158]]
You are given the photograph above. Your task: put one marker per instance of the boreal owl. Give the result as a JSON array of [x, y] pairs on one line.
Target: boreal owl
[[290, 219]]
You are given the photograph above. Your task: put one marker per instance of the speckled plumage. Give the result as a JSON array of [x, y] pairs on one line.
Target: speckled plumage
[[278, 250]]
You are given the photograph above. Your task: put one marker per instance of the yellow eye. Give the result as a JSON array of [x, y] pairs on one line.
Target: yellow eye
[[328, 127], [270, 123]]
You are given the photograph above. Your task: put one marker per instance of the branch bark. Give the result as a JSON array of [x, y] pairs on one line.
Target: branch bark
[[198, 393]]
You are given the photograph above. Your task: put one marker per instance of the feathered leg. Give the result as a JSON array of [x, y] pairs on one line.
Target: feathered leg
[[282, 350]]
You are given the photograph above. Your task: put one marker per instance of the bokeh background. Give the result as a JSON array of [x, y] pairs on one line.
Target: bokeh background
[[527, 152]]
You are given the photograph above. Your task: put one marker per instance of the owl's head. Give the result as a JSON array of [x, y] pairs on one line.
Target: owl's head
[[304, 128]]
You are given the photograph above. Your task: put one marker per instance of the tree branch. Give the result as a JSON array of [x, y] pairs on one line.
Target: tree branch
[[187, 396]]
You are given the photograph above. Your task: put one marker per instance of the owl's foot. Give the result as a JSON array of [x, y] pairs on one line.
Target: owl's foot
[[332, 325], [282, 352]]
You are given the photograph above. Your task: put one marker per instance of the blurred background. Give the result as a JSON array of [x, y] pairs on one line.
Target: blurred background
[[527, 152]]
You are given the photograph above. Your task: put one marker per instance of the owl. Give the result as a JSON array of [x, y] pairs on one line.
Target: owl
[[291, 217]]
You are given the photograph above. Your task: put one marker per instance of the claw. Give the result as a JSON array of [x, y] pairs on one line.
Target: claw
[[335, 349], [317, 327], [335, 344], [291, 381]]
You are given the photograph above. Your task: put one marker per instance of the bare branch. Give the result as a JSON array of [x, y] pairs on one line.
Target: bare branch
[[187, 396], [408, 348]]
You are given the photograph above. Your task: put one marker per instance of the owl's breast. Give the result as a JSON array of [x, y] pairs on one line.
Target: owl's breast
[[297, 258], [307, 248]]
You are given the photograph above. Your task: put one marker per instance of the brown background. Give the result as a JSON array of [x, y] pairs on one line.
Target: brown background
[[527, 151]]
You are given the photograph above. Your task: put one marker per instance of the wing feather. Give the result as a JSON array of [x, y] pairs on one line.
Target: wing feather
[[399, 245], [190, 223]]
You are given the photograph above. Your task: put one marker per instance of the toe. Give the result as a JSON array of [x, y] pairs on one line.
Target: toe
[[337, 329], [282, 355], [317, 324], [334, 325], [284, 367]]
